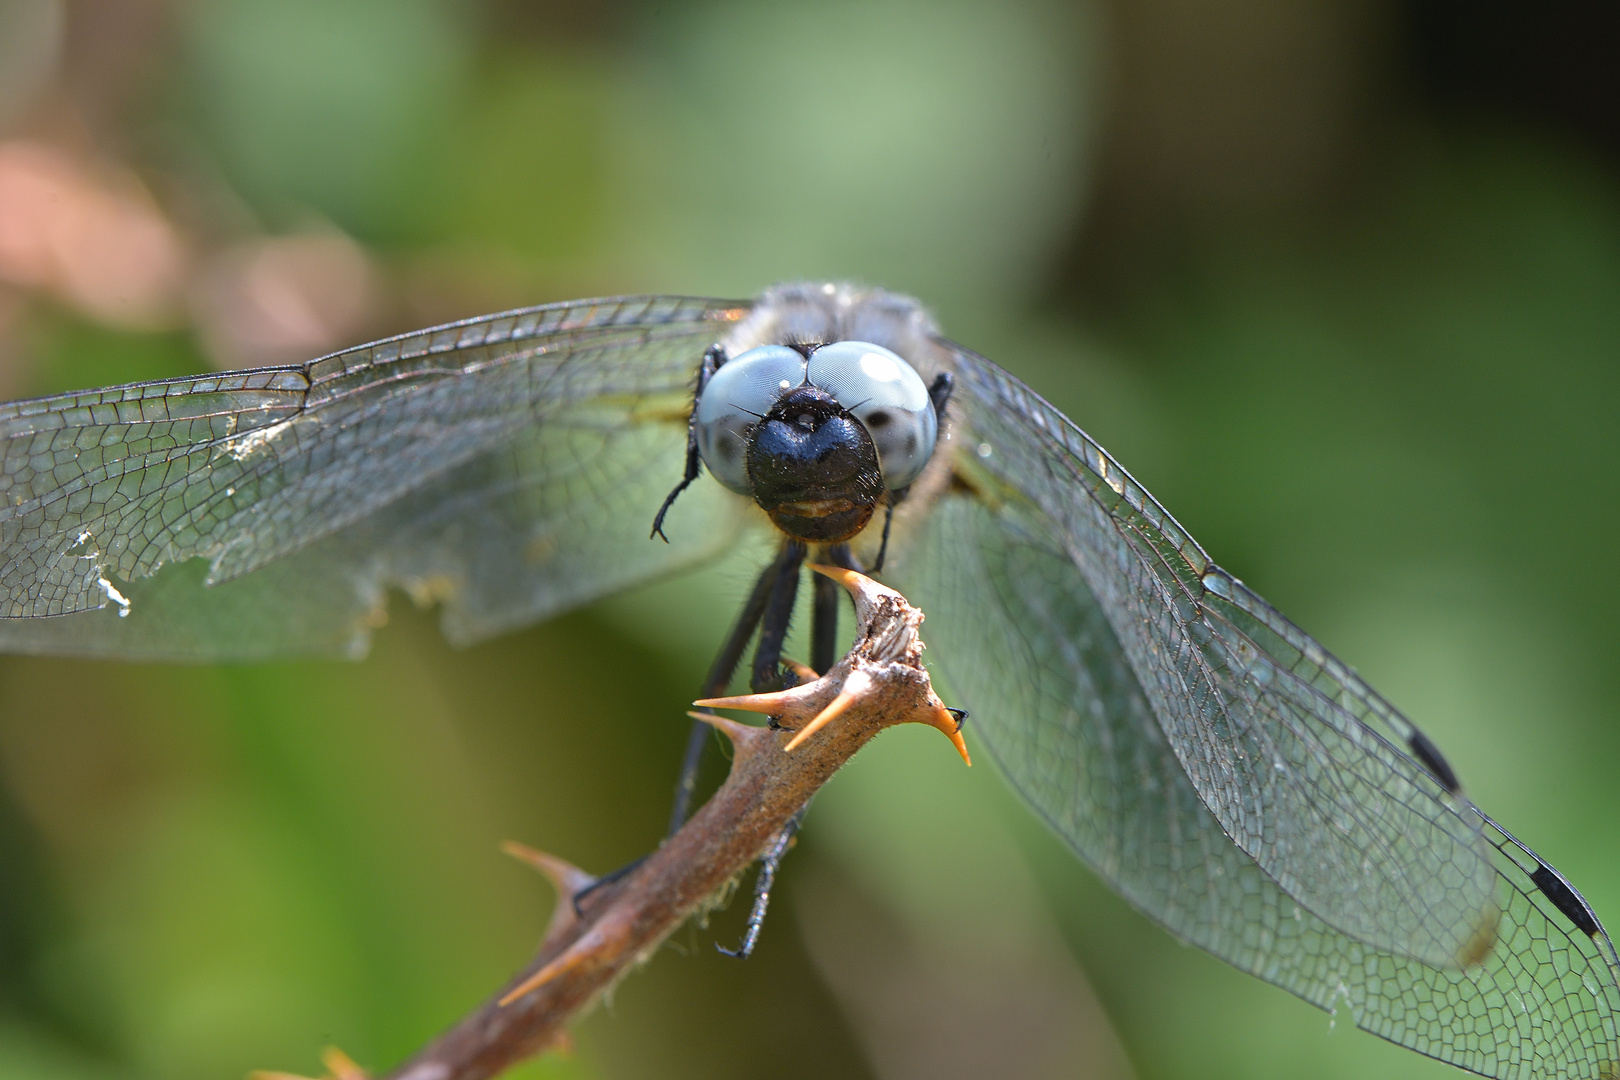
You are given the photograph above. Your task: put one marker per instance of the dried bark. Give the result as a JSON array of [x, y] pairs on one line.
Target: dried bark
[[880, 682]]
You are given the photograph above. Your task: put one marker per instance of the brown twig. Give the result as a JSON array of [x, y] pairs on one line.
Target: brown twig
[[880, 682]]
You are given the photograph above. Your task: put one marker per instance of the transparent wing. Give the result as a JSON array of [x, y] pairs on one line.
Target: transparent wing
[[508, 467], [1068, 680]]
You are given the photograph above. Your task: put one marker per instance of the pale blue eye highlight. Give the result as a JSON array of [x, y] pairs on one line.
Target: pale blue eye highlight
[[743, 390], [888, 397]]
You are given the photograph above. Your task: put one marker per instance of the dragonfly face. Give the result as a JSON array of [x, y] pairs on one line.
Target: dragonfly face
[[1210, 760], [815, 433], [813, 468]]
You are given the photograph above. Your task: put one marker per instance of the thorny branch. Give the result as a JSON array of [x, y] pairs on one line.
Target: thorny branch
[[879, 683]]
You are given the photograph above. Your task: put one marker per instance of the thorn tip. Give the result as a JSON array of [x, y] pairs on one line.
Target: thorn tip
[[742, 736], [760, 703], [564, 876], [951, 727], [341, 1065], [601, 939], [834, 709]]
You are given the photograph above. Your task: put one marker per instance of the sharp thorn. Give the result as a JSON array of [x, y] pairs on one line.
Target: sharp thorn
[[341, 1065], [604, 938], [776, 702], [572, 958], [567, 878], [849, 579], [743, 736], [861, 588], [947, 722], [834, 709]]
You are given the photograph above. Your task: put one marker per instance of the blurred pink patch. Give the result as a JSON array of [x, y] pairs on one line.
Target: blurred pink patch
[[96, 241], [286, 299]]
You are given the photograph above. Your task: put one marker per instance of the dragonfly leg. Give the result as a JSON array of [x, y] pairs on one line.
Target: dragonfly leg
[[823, 650], [606, 879], [768, 864], [773, 628], [720, 672], [888, 520], [840, 555], [713, 358], [770, 608], [939, 394], [824, 624]]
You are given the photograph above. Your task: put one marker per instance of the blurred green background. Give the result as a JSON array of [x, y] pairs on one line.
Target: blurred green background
[[1338, 280]]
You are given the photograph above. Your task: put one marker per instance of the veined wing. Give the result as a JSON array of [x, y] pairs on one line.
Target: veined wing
[[1144, 715], [1025, 646], [1301, 763], [499, 465]]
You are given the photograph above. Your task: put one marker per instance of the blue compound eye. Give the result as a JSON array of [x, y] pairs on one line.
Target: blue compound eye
[[888, 397], [742, 391]]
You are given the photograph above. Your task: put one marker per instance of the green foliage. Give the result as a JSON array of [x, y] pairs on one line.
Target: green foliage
[[1395, 420]]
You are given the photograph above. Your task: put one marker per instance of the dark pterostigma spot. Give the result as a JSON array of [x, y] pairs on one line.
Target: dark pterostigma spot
[[1429, 754], [1566, 899]]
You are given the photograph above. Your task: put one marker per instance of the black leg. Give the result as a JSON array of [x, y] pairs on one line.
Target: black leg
[[939, 394], [713, 357], [719, 677], [888, 519], [823, 646], [768, 863], [770, 606], [720, 672], [824, 624], [773, 628], [840, 555]]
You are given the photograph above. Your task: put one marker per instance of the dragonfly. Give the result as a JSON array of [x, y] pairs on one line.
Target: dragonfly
[[1209, 760]]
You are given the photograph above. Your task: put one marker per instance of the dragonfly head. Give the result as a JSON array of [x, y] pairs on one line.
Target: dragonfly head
[[814, 468], [816, 433]]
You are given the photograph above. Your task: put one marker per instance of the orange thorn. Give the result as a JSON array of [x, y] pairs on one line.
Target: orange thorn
[[341, 1065], [952, 727], [862, 589], [834, 709], [847, 578], [782, 701], [566, 962], [564, 876], [739, 734], [805, 672], [760, 703], [601, 937]]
